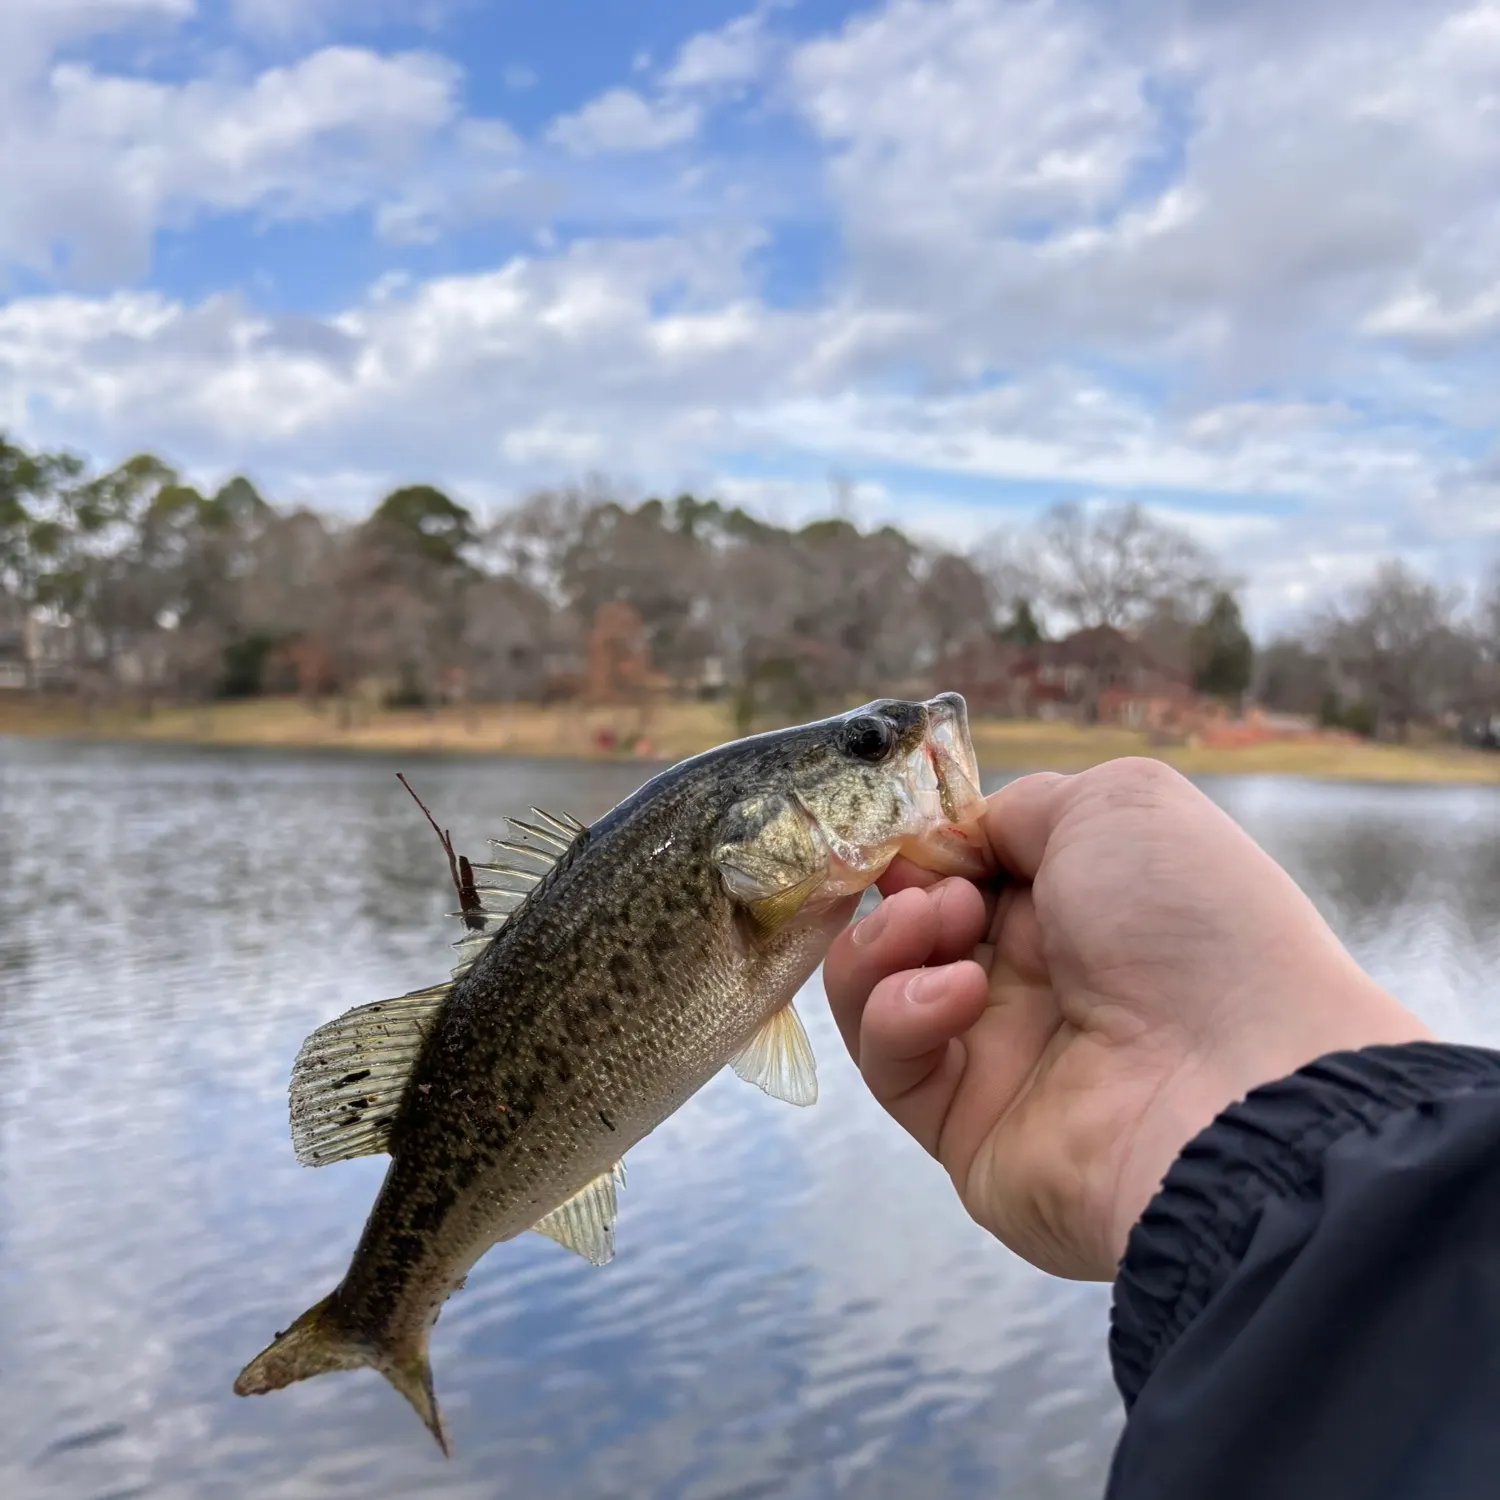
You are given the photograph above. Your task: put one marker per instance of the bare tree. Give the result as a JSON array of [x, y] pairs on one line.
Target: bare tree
[[955, 603], [637, 557], [1398, 642], [284, 590], [1291, 677], [1007, 561], [530, 542], [504, 639], [1114, 565]]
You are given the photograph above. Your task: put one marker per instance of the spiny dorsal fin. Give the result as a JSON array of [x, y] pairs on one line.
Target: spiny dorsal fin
[[520, 866], [349, 1077], [585, 1224], [779, 1059]]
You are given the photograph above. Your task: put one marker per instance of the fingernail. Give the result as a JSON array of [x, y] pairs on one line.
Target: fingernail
[[869, 928], [925, 987]]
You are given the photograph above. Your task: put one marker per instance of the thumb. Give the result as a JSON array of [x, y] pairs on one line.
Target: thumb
[[1020, 818]]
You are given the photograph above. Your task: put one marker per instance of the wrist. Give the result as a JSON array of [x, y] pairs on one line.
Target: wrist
[[1273, 1145], [1200, 1089]]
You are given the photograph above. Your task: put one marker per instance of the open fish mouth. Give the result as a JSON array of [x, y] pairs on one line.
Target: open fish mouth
[[942, 776], [951, 754]]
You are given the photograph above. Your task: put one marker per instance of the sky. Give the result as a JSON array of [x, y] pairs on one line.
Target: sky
[[1238, 260]]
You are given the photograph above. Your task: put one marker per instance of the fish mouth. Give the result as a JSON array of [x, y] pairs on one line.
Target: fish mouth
[[951, 752], [944, 773]]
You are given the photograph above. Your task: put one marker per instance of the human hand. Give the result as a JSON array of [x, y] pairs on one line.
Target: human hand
[[1056, 1040]]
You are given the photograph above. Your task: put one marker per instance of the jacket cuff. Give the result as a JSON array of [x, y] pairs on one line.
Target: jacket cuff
[[1196, 1230]]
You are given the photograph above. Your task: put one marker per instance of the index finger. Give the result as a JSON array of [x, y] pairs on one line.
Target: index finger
[[905, 931]]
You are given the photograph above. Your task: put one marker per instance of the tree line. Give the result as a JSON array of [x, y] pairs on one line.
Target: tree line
[[137, 582]]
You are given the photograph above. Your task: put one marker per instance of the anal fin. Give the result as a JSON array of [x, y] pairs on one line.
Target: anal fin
[[585, 1224], [779, 1059]]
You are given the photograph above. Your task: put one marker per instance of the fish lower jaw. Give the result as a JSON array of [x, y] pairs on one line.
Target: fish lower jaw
[[845, 878], [952, 849]]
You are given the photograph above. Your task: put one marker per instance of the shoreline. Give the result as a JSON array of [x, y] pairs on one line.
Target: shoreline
[[670, 732]]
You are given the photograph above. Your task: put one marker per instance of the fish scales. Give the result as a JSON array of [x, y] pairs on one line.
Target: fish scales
[[662, 943]]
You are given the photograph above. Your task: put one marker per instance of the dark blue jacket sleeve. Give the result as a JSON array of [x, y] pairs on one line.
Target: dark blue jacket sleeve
[[1310, 1307]]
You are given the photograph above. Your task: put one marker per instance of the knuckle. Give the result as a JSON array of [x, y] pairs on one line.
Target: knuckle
[[1136, 780]]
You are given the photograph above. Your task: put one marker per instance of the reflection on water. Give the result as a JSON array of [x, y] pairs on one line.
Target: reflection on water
[[799, 1308]]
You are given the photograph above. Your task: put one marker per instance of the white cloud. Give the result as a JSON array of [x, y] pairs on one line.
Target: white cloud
[[571, 344], [553, 366], [284, 18], [621, 121], [1422, 316], [1010, 177], [98, 162], [297, 20], [973, 118], [32, 30], [1238, 254], [46, 22], [734, 54]]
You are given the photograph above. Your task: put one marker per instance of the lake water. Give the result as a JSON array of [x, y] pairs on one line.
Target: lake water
[[798, 1308]]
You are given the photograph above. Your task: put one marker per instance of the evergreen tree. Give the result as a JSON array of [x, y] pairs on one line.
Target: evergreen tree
[[1222, 654], [441, 528], [1023, 629]]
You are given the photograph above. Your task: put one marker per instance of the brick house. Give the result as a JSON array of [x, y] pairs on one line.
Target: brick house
[[1096, 676]]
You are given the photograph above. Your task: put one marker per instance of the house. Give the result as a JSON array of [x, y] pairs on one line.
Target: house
[[1097, 675], [13, 673], [997, 678], [304, 665], [35, 653], [618, 660]]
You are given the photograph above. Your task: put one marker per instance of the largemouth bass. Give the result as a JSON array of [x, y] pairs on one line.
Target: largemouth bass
[[621, 966]]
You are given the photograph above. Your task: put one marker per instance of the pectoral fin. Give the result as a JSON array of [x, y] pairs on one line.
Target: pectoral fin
[[585, 1224], [779, 1059], [771, 862], [769, 915]]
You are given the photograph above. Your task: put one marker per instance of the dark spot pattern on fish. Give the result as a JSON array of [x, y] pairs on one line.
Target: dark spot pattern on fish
[[349, 1078], [427, 1215]]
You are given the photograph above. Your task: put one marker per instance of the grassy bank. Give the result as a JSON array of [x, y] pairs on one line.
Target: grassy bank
[[673, 731]]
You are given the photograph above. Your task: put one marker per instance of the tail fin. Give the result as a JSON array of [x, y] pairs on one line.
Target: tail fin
[[315, 1344]]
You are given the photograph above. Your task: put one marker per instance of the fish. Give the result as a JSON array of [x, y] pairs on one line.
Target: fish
[[618, 968]]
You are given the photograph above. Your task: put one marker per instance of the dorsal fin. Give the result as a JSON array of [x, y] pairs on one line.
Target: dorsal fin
[[349, 1077], [521, 866]]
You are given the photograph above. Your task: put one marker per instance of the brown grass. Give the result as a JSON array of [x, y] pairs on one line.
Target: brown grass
[[675, 730]]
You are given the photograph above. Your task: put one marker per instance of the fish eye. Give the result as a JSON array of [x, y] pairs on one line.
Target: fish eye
[[868, 737]]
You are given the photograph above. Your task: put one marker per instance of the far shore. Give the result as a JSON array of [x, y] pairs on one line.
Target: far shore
[[668, 732]]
